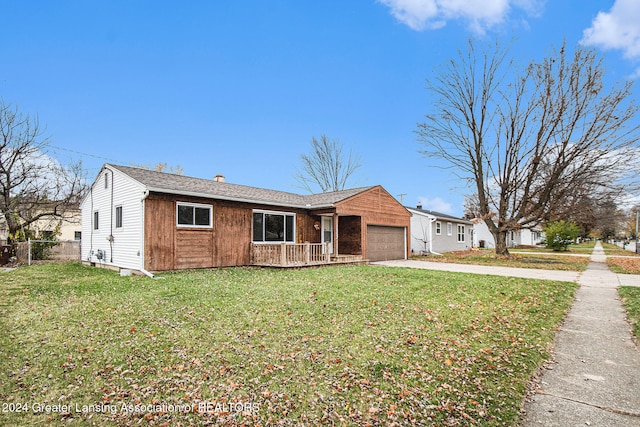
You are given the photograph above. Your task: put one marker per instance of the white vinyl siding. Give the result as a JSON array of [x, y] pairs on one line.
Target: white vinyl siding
[[125, 248]]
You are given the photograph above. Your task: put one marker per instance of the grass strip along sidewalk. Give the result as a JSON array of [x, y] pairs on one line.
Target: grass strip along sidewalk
[[351, 345]]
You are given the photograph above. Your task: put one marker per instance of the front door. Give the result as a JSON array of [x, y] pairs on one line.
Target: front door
[[327, 232]]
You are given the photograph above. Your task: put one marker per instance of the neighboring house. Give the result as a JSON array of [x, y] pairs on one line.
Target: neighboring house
[[69, 227], [525, 236], [435, 232], [151, 221]]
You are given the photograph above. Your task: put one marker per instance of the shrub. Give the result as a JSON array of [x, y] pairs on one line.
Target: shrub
[[560, 234]]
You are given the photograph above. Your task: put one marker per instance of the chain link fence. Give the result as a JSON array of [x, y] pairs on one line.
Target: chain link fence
[[47, 250]]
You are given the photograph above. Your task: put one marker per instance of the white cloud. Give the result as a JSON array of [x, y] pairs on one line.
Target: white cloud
[[435, 204], [617, 29], [433, 14]]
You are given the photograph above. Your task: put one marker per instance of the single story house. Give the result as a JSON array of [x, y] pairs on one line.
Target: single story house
[[152, 221], [483, 238], [435, 232]]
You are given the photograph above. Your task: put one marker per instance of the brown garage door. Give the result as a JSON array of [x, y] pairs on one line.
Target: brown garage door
[[384, 243]]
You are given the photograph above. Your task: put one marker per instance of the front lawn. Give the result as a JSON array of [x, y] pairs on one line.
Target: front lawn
[[630, 297], [520, 260], [350, 345], [624, 265]]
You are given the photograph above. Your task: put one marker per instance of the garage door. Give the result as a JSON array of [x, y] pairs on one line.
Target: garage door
[[384, 243]]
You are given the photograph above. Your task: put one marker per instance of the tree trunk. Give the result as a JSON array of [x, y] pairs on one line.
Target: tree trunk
[[501, 242]]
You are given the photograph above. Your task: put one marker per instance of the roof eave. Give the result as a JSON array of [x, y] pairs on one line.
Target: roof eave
[[235, 199]]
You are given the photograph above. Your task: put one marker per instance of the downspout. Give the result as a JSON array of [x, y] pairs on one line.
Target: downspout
[[91, 226], [431, 221], [111, 224]]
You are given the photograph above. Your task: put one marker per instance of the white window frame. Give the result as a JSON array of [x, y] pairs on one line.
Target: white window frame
[[461, 233], [438, 228], [449, 229], [268, 212], [194, 205], [118, 227]]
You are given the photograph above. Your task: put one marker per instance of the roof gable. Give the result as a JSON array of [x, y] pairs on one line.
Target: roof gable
[[162, 182]]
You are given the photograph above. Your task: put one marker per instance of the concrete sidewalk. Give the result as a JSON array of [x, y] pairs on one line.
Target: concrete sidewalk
[[530, 273], [594, 379]]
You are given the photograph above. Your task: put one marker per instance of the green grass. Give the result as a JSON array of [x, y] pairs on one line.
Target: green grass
[[350, 345], [631, 300], [611, 249], [580, 248], [526, 260]]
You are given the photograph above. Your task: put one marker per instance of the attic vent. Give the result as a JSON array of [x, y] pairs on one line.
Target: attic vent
[[218, 178]]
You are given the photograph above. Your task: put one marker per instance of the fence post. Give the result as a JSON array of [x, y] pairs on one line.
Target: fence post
[[29, 251]]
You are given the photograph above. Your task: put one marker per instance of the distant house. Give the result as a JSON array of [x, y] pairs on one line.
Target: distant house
[[66, 228], [152, 221], [525, 236], [435, 232]]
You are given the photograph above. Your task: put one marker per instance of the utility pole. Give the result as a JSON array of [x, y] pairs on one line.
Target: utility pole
[[637, 212], [401, 196]]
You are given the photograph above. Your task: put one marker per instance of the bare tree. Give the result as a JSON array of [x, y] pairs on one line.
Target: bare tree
[[326, 166], [33, 185], [161, 167], [533, 144]]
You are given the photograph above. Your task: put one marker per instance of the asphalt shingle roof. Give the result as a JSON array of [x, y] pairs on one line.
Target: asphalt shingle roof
[[178, 184], [438, 214]]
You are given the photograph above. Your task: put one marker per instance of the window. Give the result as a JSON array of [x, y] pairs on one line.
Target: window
[[118, 216], [273, 227], [106, 180], [449, 229], [194, 215], [77, 235], [438, 228], [460, 233], [96, 217]]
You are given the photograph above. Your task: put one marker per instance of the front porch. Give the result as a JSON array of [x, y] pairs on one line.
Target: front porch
[[297, 255]]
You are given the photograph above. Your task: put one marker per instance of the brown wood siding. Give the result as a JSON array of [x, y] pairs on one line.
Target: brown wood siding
[[227, 243], [232, 231], [350, 238], [159, 233], [376, 207], [194, 248]]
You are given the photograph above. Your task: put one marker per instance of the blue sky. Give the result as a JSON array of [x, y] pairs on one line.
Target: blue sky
[[240, 87]]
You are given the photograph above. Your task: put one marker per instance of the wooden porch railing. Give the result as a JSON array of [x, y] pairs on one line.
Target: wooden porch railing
[[290, 254]]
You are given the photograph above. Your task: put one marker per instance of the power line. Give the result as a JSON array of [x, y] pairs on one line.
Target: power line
[[87, 154]]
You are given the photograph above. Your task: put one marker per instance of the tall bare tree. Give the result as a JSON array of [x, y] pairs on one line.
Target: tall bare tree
[[530, 142], [326, 166], [33, 185]]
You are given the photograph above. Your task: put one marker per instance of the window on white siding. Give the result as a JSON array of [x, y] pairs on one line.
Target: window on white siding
[[438, 228], [193, 215], [118, 216], [96, 217], [449, 229], [460, 233], [273, 226]]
